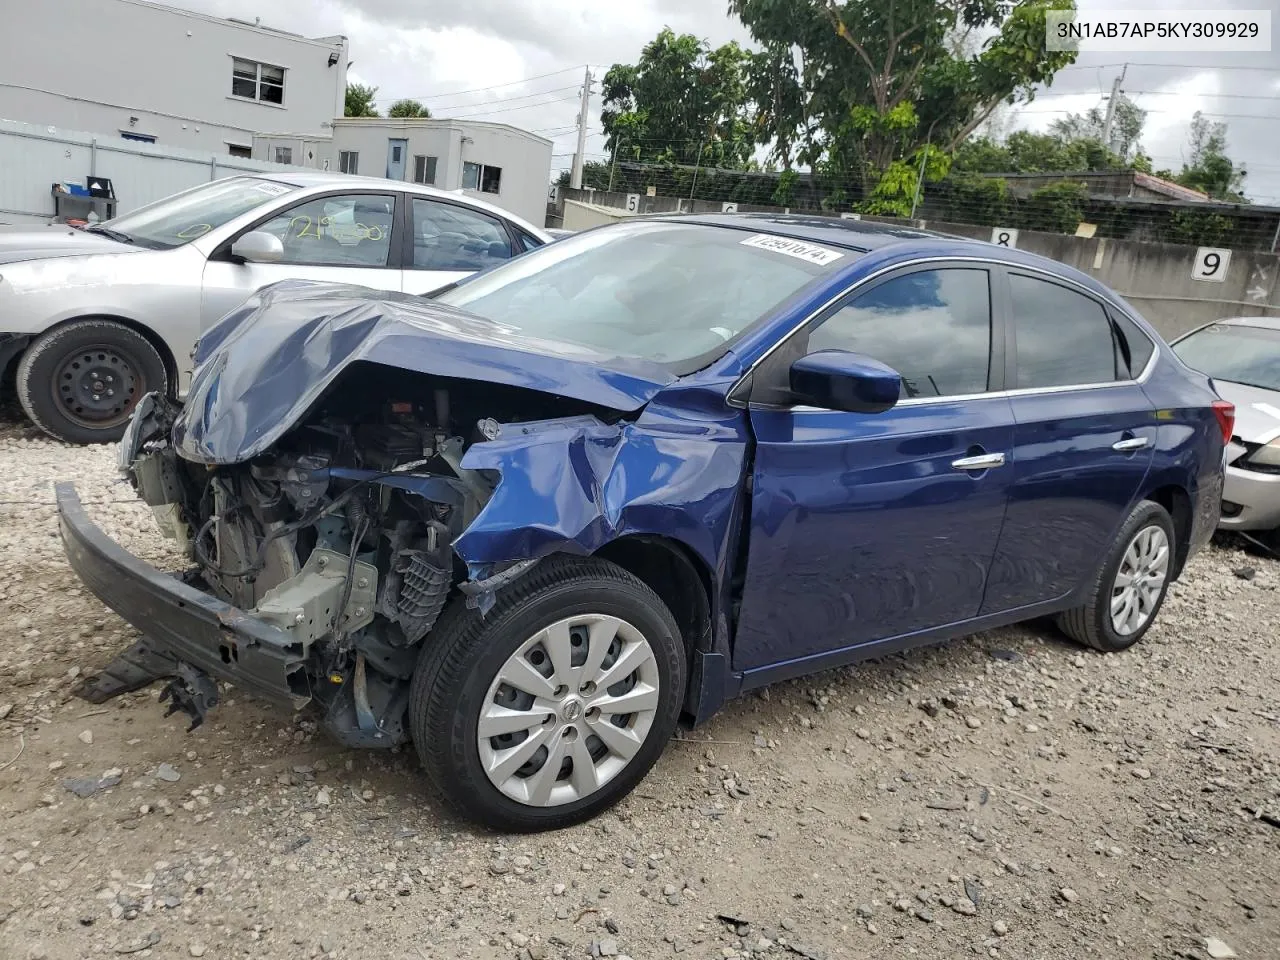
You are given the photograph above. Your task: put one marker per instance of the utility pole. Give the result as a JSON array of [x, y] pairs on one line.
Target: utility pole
[[575, 178], [1111, 107]]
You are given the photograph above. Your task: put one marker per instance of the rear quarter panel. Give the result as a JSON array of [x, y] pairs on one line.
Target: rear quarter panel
[[1189, 444]]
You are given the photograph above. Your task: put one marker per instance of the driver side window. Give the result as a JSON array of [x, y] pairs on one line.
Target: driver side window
[[932, 326]]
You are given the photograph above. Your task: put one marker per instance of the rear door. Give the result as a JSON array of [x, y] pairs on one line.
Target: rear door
[[1084, 437], [449, 241], [866, 527], [338, 237]]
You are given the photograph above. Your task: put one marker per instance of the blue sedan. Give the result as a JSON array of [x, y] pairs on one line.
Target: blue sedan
[[533, 522]]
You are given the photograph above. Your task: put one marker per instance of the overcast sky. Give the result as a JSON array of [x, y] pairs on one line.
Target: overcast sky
[[430, 49]]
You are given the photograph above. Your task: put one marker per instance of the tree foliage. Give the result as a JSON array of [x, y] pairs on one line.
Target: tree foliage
[[1208, 167], [1127, 122], [359, 101], [683, 103], [1027, 152], [408, 109], [857, 85]]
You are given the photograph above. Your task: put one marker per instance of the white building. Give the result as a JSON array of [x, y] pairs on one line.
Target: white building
[[504, 165], [157, 74]]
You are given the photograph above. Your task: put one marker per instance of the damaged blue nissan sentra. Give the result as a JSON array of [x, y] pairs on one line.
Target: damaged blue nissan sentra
[[533, 522]]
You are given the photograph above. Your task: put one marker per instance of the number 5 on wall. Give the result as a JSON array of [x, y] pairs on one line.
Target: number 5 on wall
[[1211, 264]]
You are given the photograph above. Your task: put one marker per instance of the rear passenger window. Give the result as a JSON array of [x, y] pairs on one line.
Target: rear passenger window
[[447, 236], [1064, 338], [1135, 346], [933, 327]]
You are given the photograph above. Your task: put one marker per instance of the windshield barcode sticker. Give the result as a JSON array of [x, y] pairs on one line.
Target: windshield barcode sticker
[[794, 248]]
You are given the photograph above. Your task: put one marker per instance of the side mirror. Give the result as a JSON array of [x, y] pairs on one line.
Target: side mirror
[[841, 380], [258, 246]]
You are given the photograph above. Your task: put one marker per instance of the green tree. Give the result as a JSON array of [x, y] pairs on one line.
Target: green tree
[[683, 103], [408, 109], [360, 101], [1127, 122], [860, 84], [1057, 208], [1208, 167], [1027, 152]]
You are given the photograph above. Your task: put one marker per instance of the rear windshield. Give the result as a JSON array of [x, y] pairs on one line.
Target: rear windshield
[[674, 293], [1235, 353]]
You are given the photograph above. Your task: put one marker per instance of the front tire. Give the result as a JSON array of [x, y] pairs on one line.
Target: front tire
[[80, 382], [1130, 586], [552, 706]]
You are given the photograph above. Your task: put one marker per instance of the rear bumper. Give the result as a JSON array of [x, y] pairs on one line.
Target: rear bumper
[[181, 621], [1256, 494]]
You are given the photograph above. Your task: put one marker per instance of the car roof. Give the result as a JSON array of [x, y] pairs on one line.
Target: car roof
[[861, 235], [1267, 323], [867, 236], [321, 180]]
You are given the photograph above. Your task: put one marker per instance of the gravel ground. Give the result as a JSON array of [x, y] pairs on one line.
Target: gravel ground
[[1006, 795]]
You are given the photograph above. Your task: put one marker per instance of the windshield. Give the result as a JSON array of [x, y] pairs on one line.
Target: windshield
[[1236, 353], [179, 219], [675, 293]]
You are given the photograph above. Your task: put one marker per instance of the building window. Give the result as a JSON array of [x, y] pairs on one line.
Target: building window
[[349, 161], [284, 154], [239, 150], [477, 176], [137, 137], [257, 81], [424, 169]]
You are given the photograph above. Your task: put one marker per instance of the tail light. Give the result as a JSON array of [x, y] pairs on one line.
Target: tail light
[[1225, 411]]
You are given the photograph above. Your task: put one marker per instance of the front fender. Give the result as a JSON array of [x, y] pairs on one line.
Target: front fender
[[575, 485]]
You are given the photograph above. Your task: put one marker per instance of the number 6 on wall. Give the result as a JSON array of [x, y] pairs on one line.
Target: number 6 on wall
[[1211, 264]]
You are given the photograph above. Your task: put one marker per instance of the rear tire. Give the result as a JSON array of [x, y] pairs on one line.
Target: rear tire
[[1130, 586], [80, 382], [611, 628]]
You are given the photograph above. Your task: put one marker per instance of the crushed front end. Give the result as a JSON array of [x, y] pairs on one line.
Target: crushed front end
[[316, 568]]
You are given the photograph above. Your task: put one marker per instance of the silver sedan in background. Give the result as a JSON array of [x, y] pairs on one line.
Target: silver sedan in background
[[1242, 354], [93, 319]]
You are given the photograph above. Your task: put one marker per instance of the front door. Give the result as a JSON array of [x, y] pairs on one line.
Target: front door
[[866, 527], [1083, 441], [397, 150], [343, 238]]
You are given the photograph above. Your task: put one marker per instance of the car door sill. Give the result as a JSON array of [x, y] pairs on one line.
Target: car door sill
[[791, 669]]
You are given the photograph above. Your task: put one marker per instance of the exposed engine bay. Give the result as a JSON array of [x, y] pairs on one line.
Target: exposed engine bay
[[340, 534]]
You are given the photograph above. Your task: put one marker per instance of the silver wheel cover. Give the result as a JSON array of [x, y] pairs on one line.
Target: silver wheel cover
[[1139, 580], [568, 710]]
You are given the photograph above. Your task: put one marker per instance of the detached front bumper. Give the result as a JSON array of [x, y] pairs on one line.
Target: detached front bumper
[[180, 622]]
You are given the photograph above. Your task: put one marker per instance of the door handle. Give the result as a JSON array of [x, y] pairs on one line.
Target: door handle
[[1131, 444], [984, 461]]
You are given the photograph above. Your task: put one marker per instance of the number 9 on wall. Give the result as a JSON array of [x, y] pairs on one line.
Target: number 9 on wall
[[1211, 264]]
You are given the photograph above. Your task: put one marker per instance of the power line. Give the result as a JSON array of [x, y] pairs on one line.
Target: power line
[[485, 103], [486, 113], [1216, 96], [1172, 66], [496, 86]]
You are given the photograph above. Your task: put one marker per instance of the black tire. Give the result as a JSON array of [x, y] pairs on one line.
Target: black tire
[[464, 653], [1091, 624], [58, 374]]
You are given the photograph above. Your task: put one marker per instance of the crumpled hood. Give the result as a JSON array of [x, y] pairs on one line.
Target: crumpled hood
[[19, 243], [1257, 410], [261, 368]]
